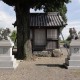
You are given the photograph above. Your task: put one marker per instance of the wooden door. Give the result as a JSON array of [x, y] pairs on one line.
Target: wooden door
[[39, 37], [52, 39], [52, 34]]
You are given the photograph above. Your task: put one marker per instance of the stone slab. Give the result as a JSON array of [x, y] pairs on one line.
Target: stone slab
[[6, 43], [75, 42], [10, 67], [7, 58], [8, 64], [74, 62], [75, 57], [73, 67]]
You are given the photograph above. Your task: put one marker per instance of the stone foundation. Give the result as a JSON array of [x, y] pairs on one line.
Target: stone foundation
[[53, 53], [42, 53]]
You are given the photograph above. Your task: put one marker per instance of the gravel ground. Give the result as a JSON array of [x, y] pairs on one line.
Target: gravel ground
[[41, 68]]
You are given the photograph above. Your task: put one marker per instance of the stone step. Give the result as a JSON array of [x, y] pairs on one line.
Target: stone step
[[6, 58], [76, 57], [7, 64], [74, 62], [73, 67]]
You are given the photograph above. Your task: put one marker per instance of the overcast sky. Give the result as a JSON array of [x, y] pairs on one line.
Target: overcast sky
[[7, 16]]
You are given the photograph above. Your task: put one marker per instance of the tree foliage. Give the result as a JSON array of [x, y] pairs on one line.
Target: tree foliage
[[30, 2], [38, 4], [62, 10], [47, 5], [13, 35]]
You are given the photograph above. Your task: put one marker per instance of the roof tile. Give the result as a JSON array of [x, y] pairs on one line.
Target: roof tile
[[46, 19]]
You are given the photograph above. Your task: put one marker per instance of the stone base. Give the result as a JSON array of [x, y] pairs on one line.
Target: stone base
[[8, 62], [52, 53], [73, 67], [42, 53], [73, 62]]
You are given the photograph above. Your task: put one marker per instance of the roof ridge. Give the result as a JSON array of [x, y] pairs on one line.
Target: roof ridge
[[48, 13]]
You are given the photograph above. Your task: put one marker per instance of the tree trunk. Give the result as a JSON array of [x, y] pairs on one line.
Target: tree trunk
[[24, 48]]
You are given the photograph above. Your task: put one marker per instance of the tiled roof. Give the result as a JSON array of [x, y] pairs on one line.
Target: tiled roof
[[46, 19]]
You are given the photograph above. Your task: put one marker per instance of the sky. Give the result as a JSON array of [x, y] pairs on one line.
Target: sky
[[7, 16]]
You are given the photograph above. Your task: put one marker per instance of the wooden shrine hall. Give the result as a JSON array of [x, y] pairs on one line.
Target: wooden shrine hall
[[45, 30]]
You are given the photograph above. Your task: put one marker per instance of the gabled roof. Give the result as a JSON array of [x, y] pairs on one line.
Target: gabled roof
[[43, 20], [52, 19]]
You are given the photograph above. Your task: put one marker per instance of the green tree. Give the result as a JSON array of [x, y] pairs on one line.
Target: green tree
[[13, 36], [22, 8]]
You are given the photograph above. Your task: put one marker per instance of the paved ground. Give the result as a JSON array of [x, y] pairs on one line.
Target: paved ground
[[41, 68]]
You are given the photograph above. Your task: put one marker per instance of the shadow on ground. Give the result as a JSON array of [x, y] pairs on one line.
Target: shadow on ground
[[53, 65]]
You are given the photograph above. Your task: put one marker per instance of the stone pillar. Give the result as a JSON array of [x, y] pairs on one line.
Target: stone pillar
[[7, 60], [73, 58]]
